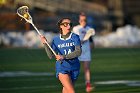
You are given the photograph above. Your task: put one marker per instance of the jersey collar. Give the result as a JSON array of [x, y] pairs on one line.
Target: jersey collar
[[66, 38]]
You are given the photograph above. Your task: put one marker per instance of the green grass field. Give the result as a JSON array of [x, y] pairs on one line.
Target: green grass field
[[119, 65]]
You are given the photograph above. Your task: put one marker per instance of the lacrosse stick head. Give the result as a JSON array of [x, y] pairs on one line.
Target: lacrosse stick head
[[23, 12], [89, 33]]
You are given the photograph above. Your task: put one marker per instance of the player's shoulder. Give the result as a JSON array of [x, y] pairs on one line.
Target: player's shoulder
[[77, 27], [75, 35]]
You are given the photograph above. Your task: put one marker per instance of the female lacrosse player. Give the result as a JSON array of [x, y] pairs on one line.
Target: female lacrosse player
[[85, 57], [68, 47]]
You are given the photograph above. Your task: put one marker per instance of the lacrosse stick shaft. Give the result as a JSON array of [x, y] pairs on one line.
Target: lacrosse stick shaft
[[50, 48], [36, 29], [45, 41]]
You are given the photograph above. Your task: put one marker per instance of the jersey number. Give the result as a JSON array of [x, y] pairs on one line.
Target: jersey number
[[67, 52]]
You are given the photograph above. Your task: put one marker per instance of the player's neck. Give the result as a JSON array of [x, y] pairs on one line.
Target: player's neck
[[65, 35], [65, 32]]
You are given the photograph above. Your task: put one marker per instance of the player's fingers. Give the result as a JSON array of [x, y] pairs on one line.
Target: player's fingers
[[59, 57]]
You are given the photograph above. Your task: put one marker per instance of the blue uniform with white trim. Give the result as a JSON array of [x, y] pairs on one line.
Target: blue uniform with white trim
[[64, 47]]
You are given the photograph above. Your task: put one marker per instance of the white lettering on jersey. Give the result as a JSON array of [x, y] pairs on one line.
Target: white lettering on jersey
[[66, 45]]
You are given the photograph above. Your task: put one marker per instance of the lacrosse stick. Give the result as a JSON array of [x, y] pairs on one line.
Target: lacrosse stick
[[89, 33], [24, 13]]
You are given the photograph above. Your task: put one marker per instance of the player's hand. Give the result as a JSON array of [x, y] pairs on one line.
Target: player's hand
[[43, 39], [59, 57]]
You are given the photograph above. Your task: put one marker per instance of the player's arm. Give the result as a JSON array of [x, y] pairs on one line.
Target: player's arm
[[47, 49], [77, 52]]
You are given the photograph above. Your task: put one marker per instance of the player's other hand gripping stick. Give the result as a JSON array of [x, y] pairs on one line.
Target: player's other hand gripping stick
[[59, 57]]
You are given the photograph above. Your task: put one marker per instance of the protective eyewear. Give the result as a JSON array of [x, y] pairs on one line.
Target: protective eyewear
[[65, 24]]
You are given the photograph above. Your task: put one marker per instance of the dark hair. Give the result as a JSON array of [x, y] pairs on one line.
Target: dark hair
[[60, 21], [82, 14]]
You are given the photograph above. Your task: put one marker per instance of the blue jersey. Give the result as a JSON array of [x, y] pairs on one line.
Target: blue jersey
[[64, 47]]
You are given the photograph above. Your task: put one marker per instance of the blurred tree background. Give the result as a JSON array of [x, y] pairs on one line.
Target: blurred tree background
[[104, 15]]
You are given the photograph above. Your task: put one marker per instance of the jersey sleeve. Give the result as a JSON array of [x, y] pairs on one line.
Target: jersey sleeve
[[48, 51], [77, 41]]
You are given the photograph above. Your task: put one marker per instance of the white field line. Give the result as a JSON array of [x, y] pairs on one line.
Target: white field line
[[126, 82], [34, 87], [113, 82], [25, 73]]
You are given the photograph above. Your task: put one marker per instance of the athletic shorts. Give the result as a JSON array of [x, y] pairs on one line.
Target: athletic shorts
[[74, 74]]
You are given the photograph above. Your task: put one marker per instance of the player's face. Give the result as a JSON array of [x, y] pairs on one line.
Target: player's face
[[66, 26], [82, 20]]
